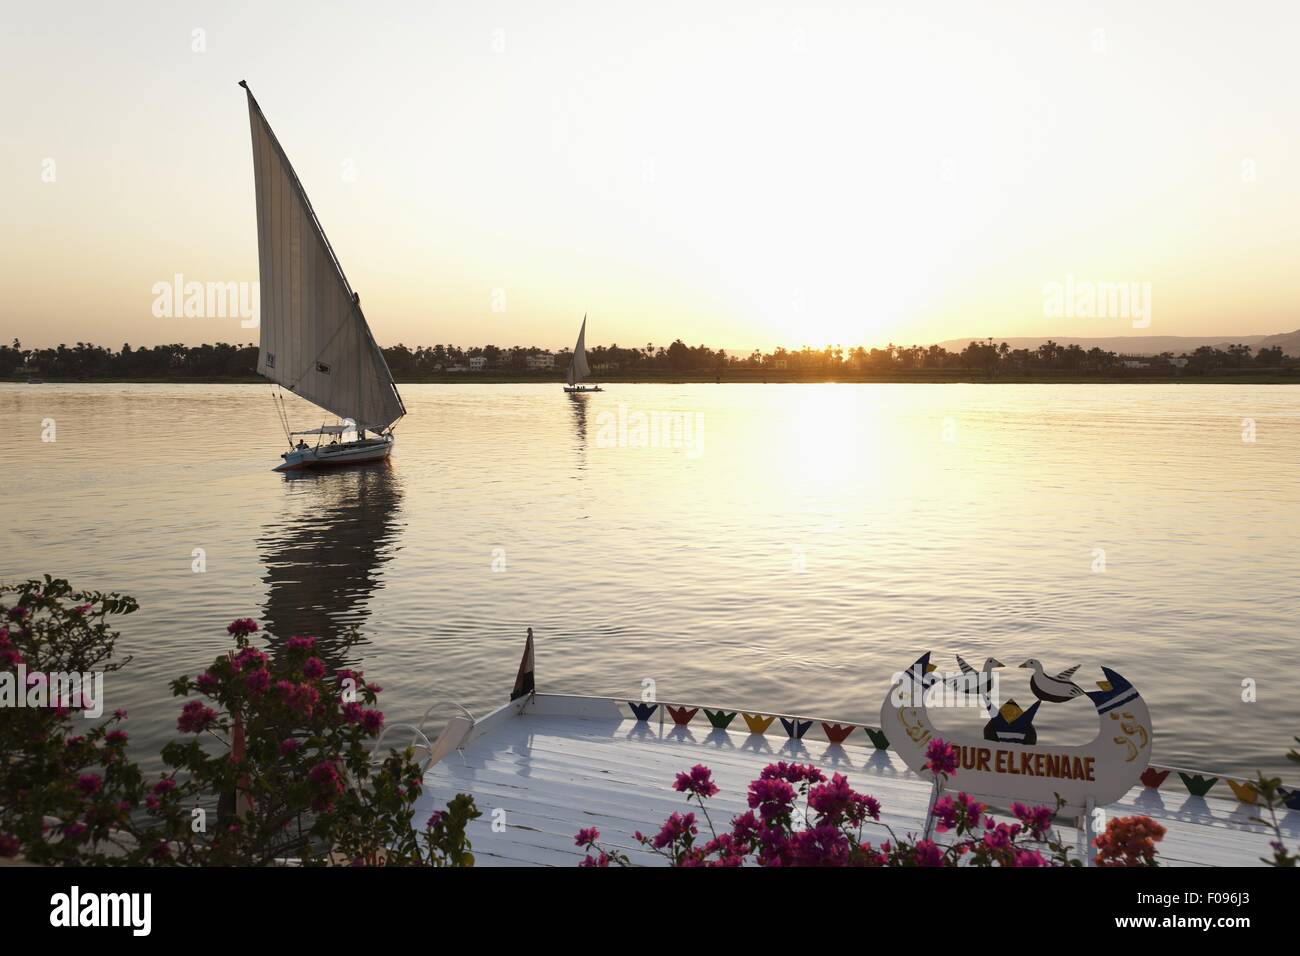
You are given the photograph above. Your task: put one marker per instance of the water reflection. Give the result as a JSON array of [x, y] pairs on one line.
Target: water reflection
[[579, 404], [324, 558]]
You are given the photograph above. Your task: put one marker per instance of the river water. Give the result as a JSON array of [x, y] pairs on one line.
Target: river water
[[785, 547]]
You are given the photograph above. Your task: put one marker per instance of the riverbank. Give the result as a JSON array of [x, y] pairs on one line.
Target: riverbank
[[765, 377]]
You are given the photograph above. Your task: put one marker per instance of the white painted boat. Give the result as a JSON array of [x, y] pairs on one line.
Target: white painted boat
[[578, 369], [313, 337], [544, 766], [304, 456]]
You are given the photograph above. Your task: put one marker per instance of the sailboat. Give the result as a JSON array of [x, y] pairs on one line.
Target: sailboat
[[314, 339], [578, 369]]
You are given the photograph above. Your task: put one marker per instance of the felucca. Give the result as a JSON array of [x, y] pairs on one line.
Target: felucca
[[578, 369], [314, 339]]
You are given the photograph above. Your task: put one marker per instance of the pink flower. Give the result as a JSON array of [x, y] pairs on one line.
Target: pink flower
[[115, 737], [792, 773], [1000, 837], [1029, 858], [950, 814], [675, 828], [298, 643], [698, 782], [289, 746], [206, 682], [837, 801], [941, 758], [90, 784], [195, 718], [1037, 820], [771, 798], [928, 853], [242, 627], [313, 668], [587, 837], [372, 721], [258, 681], [249, 657]]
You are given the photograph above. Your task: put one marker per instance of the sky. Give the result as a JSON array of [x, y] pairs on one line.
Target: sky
[[738, 174]]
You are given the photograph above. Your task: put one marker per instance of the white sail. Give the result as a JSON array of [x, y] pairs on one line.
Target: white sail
[[578, 369], [314, 337]]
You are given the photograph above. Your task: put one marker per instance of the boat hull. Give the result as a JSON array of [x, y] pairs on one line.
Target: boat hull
[[580, 389], [337, 456]]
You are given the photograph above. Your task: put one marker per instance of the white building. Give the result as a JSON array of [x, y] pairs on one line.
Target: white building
[[544, 360], [477, 363]]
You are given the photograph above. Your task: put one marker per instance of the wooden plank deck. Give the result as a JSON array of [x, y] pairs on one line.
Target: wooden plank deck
[[562, 764]]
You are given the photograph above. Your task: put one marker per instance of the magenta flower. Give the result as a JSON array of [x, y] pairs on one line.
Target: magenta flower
[[258, 681], [1037, 820], [195, 718], [699, 782], [792, 773], [676, 827], [928, 853], [242, 627], [941, 757], [90, 784], [372, 721], [289, 746], [953, 814], [114, 737], [771, 798], [313, 668], [249, 657], [587, 837], [299, 643]]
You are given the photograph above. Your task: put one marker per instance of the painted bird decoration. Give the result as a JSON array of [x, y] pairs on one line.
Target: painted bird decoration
[[985, 679], [1054, 690]]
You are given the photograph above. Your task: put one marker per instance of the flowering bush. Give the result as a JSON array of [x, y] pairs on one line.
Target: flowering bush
[[1129, 841], [799, 817], [274, 762], [62, 794]]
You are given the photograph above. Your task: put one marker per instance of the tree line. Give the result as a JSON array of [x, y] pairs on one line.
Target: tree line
[[85, 360]]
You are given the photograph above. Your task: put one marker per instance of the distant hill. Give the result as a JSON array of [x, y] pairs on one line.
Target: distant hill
[[1145, 344], [1290, 342]]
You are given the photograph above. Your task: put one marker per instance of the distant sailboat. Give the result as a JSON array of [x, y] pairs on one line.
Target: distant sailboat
[[314, 337], [578, 369]]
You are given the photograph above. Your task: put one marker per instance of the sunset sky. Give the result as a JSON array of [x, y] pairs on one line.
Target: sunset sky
[[742, 174]]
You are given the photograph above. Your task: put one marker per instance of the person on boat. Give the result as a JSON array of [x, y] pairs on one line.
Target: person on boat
[[301, 446]]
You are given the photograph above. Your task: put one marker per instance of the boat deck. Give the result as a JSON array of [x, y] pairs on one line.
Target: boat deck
[[543, 769]]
